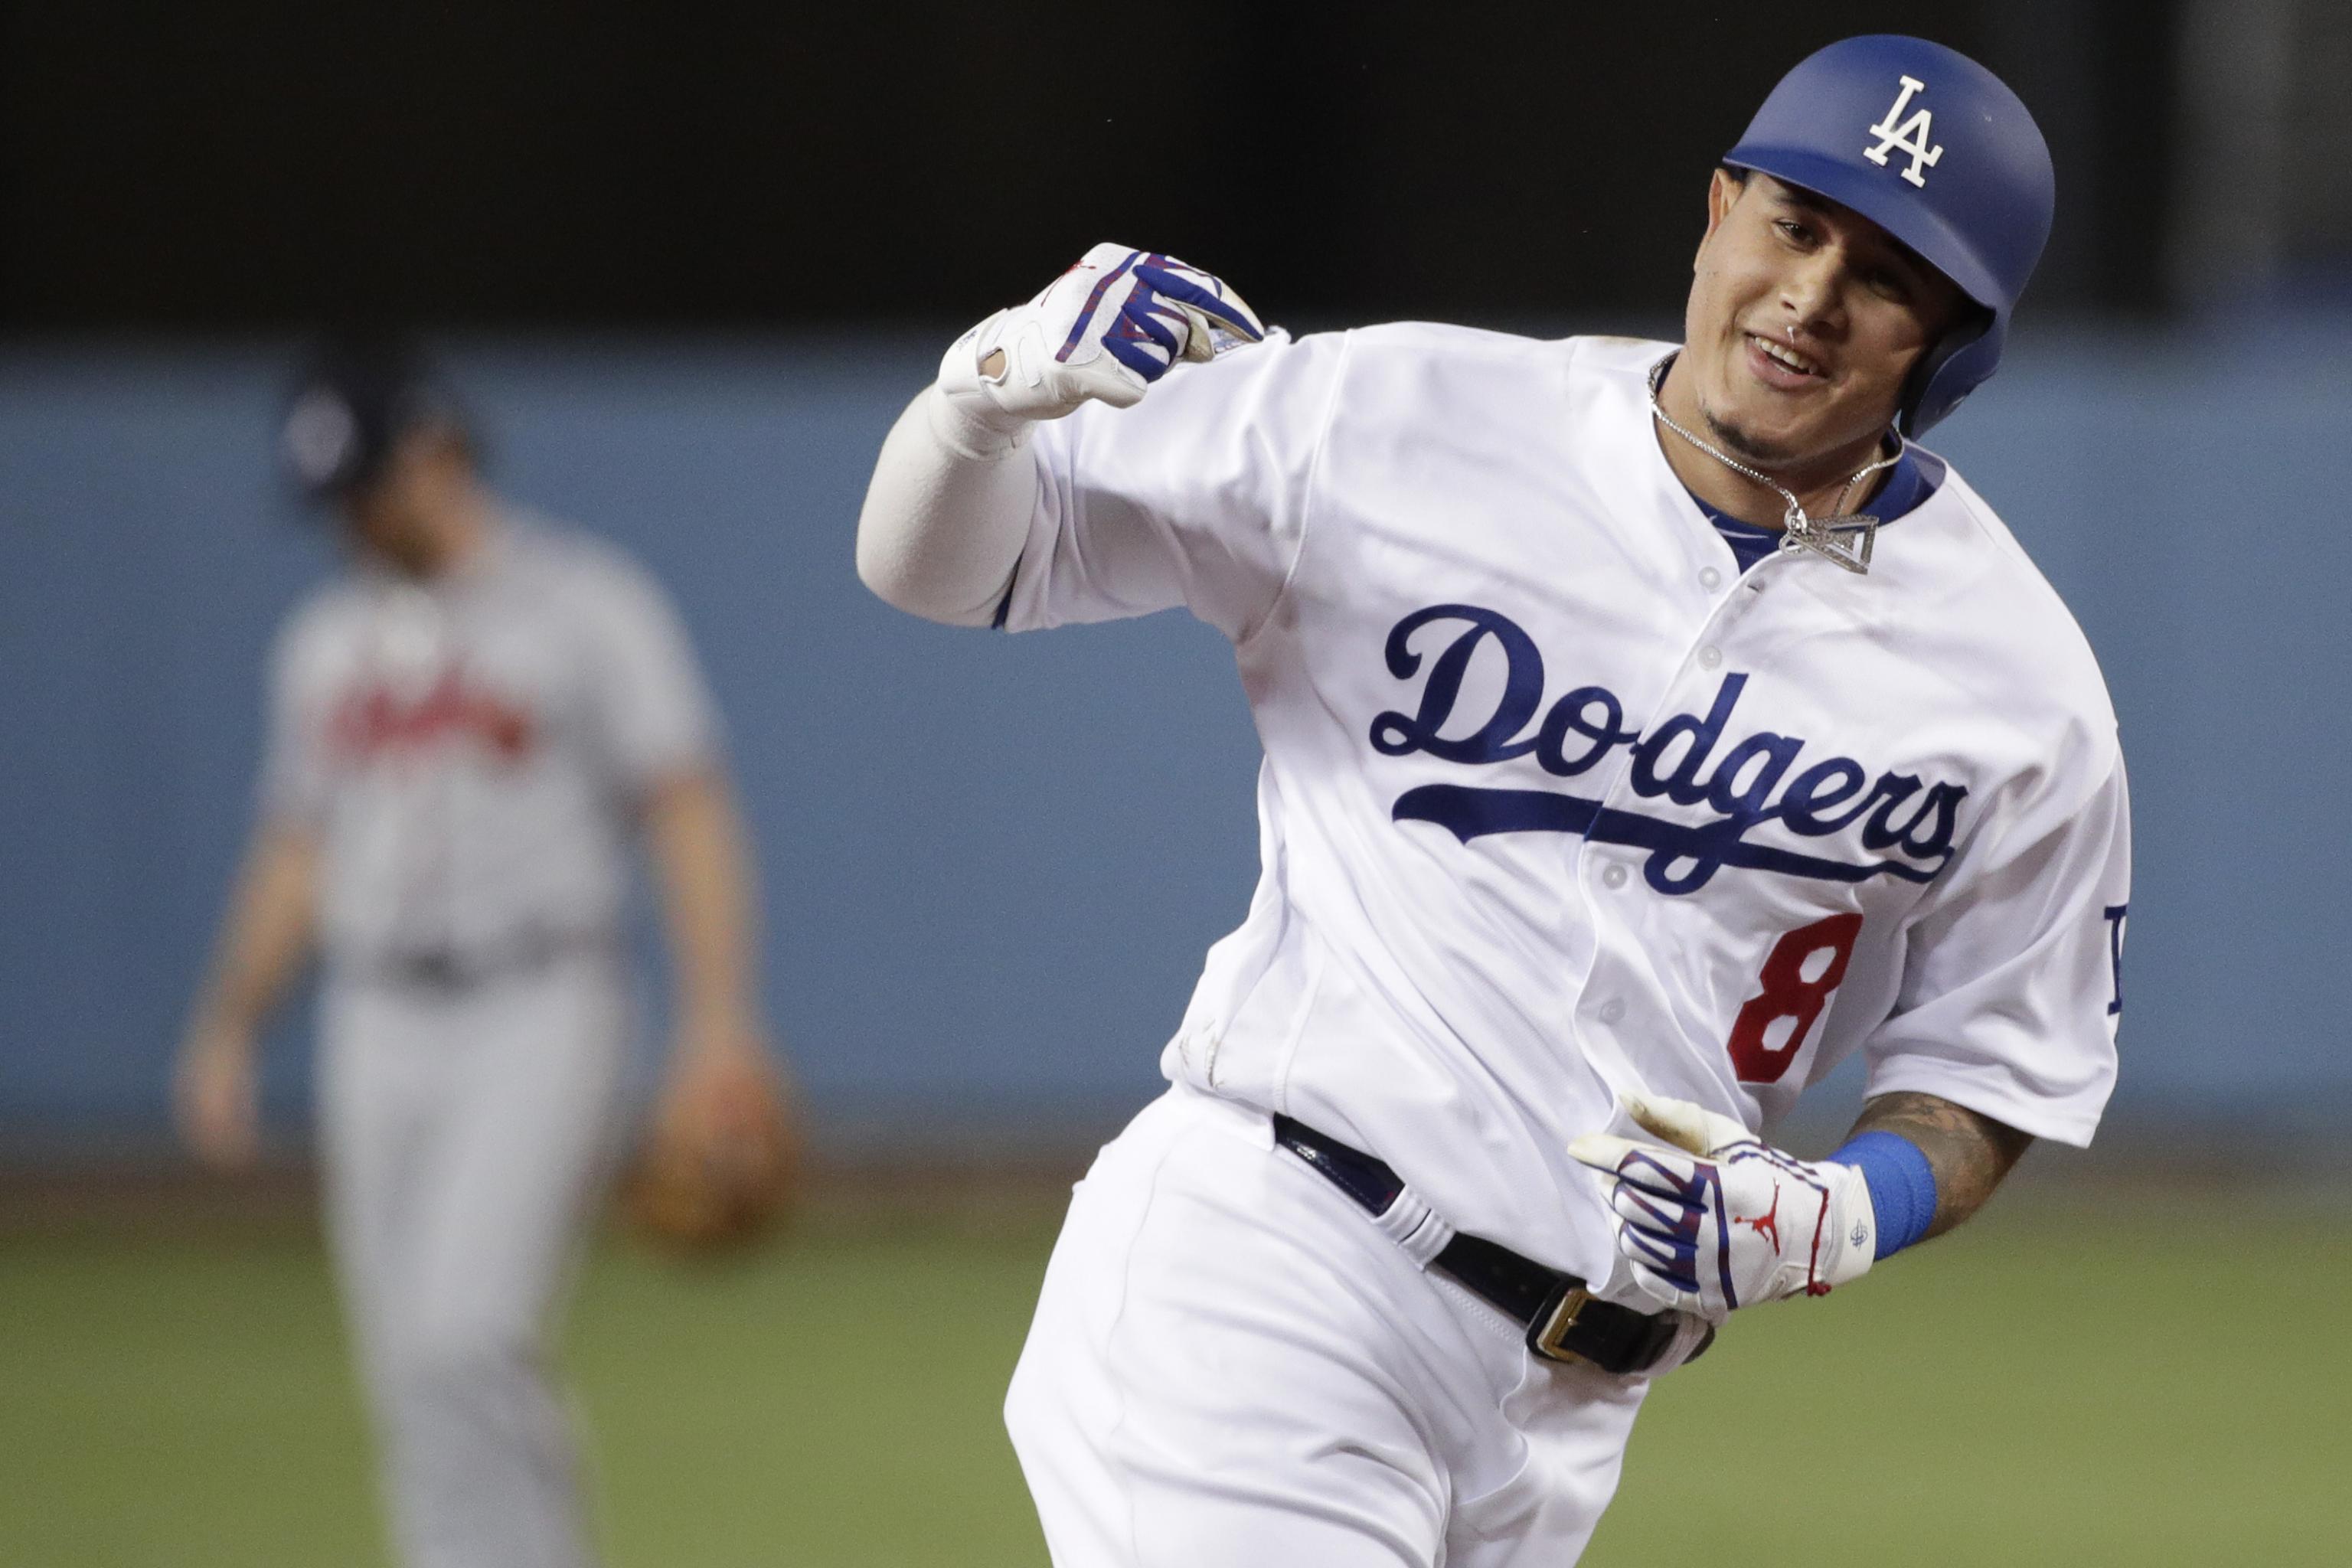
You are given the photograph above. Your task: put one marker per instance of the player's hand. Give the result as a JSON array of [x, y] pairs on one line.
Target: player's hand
[[721, 1162], [217, 1099], [1712, 1219], [723, 1088], [1107, 329]]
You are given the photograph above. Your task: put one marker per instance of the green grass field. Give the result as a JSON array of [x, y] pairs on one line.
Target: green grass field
[[2143, 1383]]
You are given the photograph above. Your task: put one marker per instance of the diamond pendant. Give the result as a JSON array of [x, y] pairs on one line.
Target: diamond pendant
[[1821, 536]]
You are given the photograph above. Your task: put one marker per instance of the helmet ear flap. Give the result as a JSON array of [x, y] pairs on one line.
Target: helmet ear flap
[[1955, 365]]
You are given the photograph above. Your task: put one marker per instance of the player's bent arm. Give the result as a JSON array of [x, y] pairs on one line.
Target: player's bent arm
[[1970, 1152], [946, 514], [264, 939]]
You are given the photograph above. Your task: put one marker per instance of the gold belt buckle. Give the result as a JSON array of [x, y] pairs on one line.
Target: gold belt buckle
[[1545, 1334]]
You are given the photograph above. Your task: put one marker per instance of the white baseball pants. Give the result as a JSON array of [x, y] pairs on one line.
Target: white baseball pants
[[465, 1135], [1231, 1366]]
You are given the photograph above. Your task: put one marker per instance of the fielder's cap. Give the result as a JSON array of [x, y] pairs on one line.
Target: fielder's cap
[[1936, 151], [354, 403]]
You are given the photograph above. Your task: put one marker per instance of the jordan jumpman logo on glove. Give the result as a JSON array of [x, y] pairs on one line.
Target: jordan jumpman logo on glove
[[1712, 1219]]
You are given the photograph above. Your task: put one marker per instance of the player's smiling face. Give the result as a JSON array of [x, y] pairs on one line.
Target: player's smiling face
[[1804, 319]]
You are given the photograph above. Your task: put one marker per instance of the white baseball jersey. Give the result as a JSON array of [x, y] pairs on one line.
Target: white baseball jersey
[[472, 749], [1557, 801]]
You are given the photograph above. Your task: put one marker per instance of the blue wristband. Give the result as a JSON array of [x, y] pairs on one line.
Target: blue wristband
[[1902, 1186]]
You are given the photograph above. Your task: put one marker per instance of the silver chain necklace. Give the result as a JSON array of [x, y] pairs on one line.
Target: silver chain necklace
[[1797, 532]]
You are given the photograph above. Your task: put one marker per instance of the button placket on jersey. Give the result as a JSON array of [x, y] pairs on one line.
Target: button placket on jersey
[[1697, 675]]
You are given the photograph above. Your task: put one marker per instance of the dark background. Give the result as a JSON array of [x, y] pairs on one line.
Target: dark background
[[248, 164]]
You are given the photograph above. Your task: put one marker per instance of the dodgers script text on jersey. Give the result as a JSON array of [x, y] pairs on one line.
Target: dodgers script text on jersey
[[1686, 759]]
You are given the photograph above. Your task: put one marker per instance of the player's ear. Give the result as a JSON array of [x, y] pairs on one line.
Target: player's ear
[[1722, 191]]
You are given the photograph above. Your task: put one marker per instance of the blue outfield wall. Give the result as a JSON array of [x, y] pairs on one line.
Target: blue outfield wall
[[991, 864]]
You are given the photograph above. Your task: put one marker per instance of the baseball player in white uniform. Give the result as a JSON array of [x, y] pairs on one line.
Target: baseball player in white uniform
[[467, 730], [1647, 730]]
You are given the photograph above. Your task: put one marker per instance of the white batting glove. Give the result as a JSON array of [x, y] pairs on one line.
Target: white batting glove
[[1107, 329], [1719, 1221]]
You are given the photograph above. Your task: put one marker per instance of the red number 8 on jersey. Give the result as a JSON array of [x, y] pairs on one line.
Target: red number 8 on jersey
[[1787, 994]]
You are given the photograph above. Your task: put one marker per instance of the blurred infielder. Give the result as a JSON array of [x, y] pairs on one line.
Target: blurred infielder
[[1647, 729], [466, 732]]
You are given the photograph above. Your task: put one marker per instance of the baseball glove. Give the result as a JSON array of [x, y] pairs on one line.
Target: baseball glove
[[721, 1167]]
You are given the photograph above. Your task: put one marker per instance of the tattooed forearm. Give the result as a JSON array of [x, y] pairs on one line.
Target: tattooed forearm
[[1969, 1153]]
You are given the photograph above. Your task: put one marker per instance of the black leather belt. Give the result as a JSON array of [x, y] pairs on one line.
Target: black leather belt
[[453, 969], [1563, 1321]]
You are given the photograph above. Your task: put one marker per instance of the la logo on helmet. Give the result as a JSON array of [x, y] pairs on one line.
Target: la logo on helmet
[[1910, 137]]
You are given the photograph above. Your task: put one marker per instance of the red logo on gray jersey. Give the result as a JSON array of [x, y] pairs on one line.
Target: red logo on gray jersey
[[373, 721]]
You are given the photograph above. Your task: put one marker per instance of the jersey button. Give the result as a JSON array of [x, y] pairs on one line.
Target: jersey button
[[1710, 579], [1613, 878], [1710, 656], [1611, 1010]]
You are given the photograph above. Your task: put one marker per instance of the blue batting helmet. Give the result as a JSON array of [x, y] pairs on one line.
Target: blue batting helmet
[[1937, 152]]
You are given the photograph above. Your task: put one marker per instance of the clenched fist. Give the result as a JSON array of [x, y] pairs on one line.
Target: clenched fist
[[1107, 329], [1712, 1219]]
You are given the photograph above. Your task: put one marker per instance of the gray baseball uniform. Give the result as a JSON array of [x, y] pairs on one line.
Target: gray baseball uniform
[[470, 751]]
